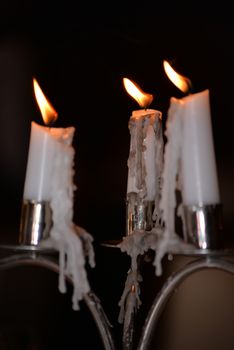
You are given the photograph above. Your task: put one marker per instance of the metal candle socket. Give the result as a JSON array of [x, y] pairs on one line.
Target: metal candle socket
[[203, 225], [36, 222], [139, 216]]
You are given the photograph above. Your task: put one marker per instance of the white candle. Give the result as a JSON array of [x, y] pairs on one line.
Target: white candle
[[43, 148], [143, 175], [198, 165]]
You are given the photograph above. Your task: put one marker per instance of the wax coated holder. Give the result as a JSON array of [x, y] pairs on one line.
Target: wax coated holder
[[139, 216]]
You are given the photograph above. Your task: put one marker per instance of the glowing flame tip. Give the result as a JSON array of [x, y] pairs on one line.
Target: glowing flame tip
[[48, 112], [183, 83], [143, 99]]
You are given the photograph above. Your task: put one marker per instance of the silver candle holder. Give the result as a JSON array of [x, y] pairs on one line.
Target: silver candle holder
[[36, 222], [203, 225]]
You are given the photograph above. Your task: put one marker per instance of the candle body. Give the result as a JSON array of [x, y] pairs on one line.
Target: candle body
[[44, 147], [198, 166], [143, 176]]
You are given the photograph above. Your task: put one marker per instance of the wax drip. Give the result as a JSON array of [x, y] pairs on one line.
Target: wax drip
[[72, 242]]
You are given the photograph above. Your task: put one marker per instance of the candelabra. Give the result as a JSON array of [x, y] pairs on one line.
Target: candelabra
[[203, 227]]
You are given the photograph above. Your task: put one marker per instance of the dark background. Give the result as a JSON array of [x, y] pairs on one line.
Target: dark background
[[79, 53]]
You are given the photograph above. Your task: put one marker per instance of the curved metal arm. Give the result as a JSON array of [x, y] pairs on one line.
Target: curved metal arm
[[170, 286], [90, 299]]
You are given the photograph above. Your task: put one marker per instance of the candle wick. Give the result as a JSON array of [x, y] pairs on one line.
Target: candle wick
[[51, 124], [190, 87]]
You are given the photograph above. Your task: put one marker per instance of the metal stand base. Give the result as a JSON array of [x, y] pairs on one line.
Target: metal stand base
[[210, 262], [32, 257]]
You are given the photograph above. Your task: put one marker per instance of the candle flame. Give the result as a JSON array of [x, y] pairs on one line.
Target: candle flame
[[183, 83], [143, 99], [48, 112]]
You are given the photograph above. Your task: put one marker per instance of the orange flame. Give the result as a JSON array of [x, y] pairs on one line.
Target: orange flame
[[183, 83], [48, 112], [143, 99]]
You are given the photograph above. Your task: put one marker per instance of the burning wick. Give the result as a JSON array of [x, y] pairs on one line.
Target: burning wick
[[144, 99], [183, 83], [48, 112]]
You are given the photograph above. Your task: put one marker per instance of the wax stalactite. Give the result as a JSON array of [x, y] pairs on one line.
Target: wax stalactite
[[189, 161], [49, 177], [146, 149], [143, 172]]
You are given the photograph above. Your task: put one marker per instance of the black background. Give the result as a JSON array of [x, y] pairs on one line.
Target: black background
[[79, 53]]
